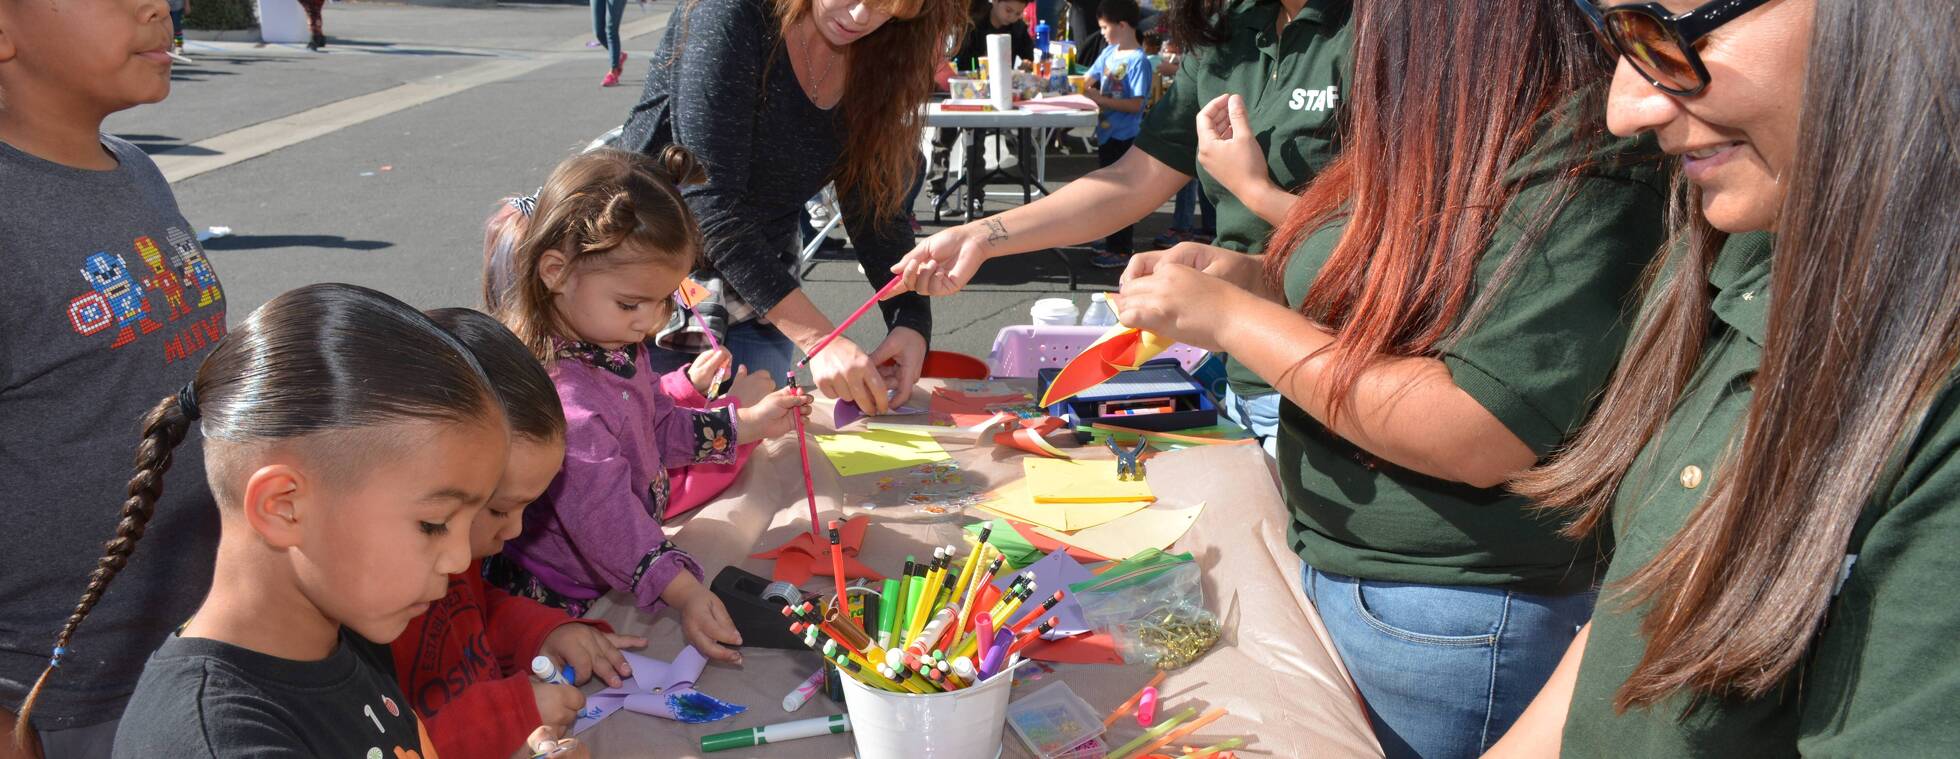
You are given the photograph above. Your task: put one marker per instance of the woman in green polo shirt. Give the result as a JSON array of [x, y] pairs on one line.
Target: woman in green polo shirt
[[1439, 307], [1288, 60], [1778, 457]]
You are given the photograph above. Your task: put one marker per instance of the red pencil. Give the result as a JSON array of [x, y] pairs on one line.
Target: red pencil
[[803, 448], [1045, 606], [1031, 636], [849, 320]]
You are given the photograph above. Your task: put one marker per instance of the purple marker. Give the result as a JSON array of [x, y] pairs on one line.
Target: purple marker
[[996, 653]]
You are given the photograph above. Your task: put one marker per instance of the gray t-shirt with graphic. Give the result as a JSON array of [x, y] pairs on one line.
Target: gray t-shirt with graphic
[[110, 306]]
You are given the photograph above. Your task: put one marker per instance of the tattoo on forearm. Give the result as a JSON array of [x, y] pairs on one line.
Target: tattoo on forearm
[[996, 231]]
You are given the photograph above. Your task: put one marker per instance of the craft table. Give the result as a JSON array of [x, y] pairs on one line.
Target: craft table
[[1034, 127], [1272, 670]]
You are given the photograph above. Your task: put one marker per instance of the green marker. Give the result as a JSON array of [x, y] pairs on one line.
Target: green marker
[[887, 609], [777, 733]]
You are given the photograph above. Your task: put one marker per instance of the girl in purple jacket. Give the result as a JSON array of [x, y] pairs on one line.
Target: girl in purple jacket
[[608, 244]]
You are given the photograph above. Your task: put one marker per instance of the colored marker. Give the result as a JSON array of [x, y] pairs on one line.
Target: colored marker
[[996, 654], [1147, 707], [546, 672], [837, 567], [777, 733], [797, 698], [887, 608]]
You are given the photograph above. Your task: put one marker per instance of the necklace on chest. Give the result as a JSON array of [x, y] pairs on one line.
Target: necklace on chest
[[815, 90]]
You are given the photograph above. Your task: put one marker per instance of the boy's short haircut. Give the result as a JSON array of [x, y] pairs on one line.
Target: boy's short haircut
[[1120, 12]]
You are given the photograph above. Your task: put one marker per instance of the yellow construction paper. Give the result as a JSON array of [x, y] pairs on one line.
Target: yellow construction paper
[[855, 453], [1012, 501], [1078, 481], [1157, 526]]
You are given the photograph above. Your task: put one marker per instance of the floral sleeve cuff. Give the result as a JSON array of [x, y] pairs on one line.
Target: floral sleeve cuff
[[714, 436], [657, 569]]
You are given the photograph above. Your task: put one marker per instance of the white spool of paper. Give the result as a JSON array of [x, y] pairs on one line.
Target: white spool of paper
[[1000, 71]]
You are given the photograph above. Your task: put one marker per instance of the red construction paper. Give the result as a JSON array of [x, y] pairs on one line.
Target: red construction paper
[[1088, 648]]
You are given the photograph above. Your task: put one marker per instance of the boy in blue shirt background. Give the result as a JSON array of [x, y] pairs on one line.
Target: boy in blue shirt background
[[1119, 83]]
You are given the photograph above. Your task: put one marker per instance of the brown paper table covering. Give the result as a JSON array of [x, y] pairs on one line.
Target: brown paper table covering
[[1273, 670]]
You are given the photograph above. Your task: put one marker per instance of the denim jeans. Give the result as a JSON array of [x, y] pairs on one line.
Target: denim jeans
[[761, 348], [1191, 202], [1445, 670], [1258, 414], [605, 26]]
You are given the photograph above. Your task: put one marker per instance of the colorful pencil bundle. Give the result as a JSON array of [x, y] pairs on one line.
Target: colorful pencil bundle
[[940, 626]]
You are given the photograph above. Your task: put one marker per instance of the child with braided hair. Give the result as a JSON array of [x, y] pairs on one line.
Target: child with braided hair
[[350, 442]]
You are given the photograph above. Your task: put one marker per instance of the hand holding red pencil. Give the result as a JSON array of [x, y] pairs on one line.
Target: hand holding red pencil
[[843, 371]]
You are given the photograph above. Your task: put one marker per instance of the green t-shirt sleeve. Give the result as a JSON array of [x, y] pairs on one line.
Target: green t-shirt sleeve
[[1545, 347], [1885, 677], [1170, 128]]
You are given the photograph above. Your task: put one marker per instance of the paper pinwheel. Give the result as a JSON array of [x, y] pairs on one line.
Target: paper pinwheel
[[660, 689], [1119, 350]]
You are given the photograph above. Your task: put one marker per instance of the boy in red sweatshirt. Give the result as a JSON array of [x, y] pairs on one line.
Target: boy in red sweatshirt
[[465, 664]]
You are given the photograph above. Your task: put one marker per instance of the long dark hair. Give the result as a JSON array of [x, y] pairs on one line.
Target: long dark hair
[[1447, 97], [605, 206], [1863, 334], [529, 399], [323, 358]]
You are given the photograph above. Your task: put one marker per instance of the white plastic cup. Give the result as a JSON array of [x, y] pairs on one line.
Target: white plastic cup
[[963, 724], [1054, 312]]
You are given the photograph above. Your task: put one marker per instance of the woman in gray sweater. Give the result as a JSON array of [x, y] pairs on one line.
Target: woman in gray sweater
[[778, 98]]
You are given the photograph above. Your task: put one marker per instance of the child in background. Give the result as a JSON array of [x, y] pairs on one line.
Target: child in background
[[350, 442], [691, 486], [466, 664], [595, 275], [1120, 84], [111, 303]]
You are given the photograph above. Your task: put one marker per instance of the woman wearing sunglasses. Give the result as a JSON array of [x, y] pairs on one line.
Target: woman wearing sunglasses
[[1439, 307], [1777, 458]]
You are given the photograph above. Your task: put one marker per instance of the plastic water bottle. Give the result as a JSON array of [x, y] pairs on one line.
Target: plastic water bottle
[[1041, 32], [1100, 314]]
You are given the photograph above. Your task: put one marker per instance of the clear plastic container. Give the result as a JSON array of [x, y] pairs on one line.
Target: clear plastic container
[[1055, 723]]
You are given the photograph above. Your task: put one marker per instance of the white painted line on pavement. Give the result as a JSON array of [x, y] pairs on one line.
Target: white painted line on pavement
[[250, 142]]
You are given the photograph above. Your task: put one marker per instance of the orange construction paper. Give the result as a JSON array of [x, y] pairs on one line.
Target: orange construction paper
[[803, 556], [1031, 435], [1119, 350]]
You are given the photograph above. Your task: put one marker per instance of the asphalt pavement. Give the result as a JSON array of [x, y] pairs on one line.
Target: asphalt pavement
[[377, 161]]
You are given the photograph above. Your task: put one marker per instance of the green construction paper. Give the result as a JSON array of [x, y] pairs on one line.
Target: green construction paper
[[855, 453], [1017, 550]]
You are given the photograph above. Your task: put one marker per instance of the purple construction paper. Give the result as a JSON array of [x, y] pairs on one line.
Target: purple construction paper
[[655, 676], [1056, 572], [847, 412]]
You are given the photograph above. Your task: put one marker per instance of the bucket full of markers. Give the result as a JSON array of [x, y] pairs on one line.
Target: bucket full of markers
[[961, 724], [928, 673]]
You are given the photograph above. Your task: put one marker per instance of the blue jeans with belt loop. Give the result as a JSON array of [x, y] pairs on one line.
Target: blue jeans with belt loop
[[1445, 670]]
